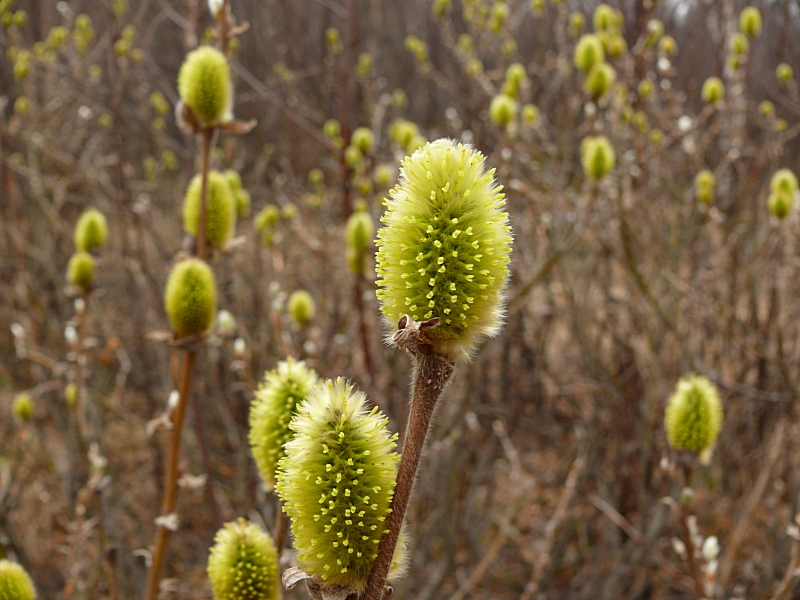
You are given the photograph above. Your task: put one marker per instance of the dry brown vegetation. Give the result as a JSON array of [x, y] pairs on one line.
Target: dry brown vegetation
[[548, 471]]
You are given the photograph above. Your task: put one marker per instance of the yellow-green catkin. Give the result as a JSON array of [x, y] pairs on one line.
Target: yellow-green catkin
[[220, 209], [337, 481], [597, 156], [274, 404], [600, 79], [515, 78], [713, 90], [301, 307], [704, 185], [783, 187], [750, 22], [503, 110], [243, 563], [604, 18], [693, 417], [91, 230], [784, 73], [362, 139], [445, 246], [15, 583], [204, 85], [358, 236], [80, 270], [22, 409], [71, 395], [589, 52], [190, 298]]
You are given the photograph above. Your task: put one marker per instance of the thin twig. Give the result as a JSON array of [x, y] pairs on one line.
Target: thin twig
[[171, 489]]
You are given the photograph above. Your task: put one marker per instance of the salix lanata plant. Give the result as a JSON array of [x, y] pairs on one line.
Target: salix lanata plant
[[442, 265]]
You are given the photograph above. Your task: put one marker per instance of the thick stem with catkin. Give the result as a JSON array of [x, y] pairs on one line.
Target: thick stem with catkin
[[431, 374], [171, 488]]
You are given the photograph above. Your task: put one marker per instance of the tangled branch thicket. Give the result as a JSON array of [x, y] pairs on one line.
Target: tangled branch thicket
[[650, 243]]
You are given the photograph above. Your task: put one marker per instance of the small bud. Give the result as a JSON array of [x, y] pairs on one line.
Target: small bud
[[71, 336], [530, 115], [516, 76], [301, 307], [172, 401], [503, 110], [22, 408], [589, 52], [80, 270], [239, 349], [600, 79], [15, 583], [243, 563], [766, 109], [331, 129], [384, 175], [204, 85], [655, 31], [21, 106], [353, 156], [645, 88], [317, 176], [71, 395], [597, 156], [615, 45], [604, 18], [360, 230], [739, 44], [80, 307], [444, 249], [779, 204], [713, 90], [576, 24], [272, 409], [337, 481], [214, 6], [704, 184], [693, 416], [687, 496], [190, 298], [750, 22], [226, 323], [91, 230], [710, 548], [498, 16], [362, 139], [220, 209], [667, 46], [266, 218], [783, 181], [784, 73]]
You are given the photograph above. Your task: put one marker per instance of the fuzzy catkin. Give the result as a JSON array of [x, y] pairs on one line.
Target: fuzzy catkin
[[693, 416], [15, 583], [190, 298], [204, 85], [445, 246], [243, 563], [80, 270], [220, 209], [337, 481], [271, 411], [91, 230]]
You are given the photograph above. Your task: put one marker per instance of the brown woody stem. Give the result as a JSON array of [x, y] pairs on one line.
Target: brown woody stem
[[685, 513], [171, 488], [208, 134], [431, 374]]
